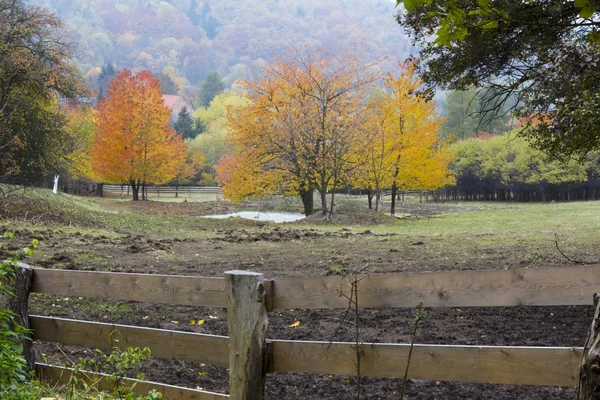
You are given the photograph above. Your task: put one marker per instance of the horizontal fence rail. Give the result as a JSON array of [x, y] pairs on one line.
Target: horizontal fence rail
[[62, 376], [184, 346], [491, 288], [495, 288], [167, 189], [167, 289], [547, 366]]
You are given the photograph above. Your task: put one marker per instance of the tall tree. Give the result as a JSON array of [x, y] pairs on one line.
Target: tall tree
[[403, 150], [208, 21], [302, 129], [106, 75], [82, 127], [211, 87], [544, 53], [134, 142], [35, 69]]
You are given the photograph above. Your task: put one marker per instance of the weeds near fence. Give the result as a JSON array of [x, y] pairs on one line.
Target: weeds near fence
[[13, 365], [116, 365], [418, 318], [353, 280]]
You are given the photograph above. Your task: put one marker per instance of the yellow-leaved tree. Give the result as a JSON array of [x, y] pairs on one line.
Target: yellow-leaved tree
[[302, 129], [404, 150], [81, 125]]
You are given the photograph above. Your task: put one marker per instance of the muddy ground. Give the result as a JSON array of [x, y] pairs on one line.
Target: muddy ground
[[210, 247]]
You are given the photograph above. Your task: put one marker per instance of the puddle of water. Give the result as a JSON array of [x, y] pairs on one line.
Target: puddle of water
[[260, 216]]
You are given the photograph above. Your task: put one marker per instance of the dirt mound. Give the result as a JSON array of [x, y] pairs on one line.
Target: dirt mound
[[352, 214], [40, 212], [173, 208]]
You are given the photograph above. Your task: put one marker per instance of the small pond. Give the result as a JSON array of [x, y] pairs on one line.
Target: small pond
[[261, 216]]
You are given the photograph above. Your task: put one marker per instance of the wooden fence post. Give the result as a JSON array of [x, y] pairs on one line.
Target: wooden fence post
[[589, 370], [19, 305], [247, 321]]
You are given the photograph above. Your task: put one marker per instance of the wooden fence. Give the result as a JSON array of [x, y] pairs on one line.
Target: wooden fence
[[166, 191], [248, 297]]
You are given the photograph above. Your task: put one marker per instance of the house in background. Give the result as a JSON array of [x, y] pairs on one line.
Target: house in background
[[175, 104]]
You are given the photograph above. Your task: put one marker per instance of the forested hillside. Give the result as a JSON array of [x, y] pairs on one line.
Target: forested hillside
[[189, 38]]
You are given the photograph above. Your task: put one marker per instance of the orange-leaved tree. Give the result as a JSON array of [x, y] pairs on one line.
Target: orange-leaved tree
[[404, 150], [134, 142], [302, 129], [188, 171]]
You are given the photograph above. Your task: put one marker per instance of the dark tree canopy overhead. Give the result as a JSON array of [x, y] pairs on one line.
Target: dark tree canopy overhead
[[542, 52], [35, 72]]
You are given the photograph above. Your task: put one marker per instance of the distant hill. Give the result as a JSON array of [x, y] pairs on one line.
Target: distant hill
[[195, 37]]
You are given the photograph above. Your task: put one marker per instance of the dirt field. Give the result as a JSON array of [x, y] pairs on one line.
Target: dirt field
[[171, 238]]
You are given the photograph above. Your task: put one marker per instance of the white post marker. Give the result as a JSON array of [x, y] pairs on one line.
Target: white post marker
[[55, 189]]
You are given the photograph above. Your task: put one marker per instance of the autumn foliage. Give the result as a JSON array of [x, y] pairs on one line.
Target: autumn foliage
[[317, 122], [134, 142], [403, 150], [302, 129]]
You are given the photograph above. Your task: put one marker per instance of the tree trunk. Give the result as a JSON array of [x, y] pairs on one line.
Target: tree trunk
[[589, 371], [393, 206], [370, 198], [99, 190], [377, 199], [331, 206], [324, 207], [176, 189], [135, 189], [308, 201]]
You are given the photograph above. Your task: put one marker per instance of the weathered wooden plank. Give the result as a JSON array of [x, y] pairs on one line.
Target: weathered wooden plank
[[547, 366], [61, 376], [168, 289], [210, 349], [247, 323], [518, 287]]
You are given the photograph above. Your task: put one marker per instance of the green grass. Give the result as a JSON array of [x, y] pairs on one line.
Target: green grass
[[576, 223]]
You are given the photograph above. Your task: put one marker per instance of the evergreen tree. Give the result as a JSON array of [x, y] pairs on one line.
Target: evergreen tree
[[185, 124], [108, 72], [212, 86], [167, 85], [199, 127], [209, 23]]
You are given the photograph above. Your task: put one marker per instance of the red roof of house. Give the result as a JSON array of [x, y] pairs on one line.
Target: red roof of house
[[170, 100]]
